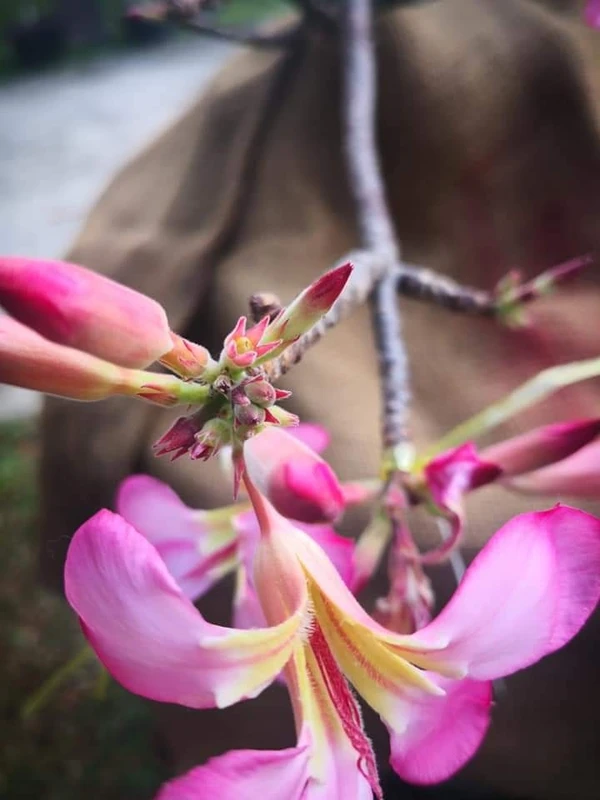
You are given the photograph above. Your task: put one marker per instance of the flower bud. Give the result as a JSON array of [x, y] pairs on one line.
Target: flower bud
[[180, 437], [299, 483], [186, 358], [309, 307], [249, 415], [260, 392], [73, 306], [32, 362], [541, 446], [214, 434]]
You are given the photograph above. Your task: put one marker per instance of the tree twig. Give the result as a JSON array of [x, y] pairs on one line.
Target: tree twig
[[420, 283], [375, 223]]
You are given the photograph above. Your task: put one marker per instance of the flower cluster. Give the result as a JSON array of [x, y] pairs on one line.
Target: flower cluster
[[80, 335], [132, 577]]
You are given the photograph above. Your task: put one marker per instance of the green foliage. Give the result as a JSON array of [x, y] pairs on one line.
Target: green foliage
[[77, 745]]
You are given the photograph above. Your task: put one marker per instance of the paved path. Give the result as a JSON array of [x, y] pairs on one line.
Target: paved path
[[63, 134]]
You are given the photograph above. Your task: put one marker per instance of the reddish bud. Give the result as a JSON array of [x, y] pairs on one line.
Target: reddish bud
[[279, 416], [260, 392], [79, 308], [186, 358], [309, 307], [541, 446], [249, 415], [180, 437]]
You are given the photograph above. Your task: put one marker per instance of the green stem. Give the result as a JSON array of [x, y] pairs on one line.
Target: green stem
[[532, 391], [41, 696]]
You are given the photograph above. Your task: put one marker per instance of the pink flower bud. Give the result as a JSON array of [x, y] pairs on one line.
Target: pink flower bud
[[79, 308], [309, 307], [575, 476], [249, 415], [32, 362], [187, 359], [260, 392], [180, 437], [293, 477], [541, 446]]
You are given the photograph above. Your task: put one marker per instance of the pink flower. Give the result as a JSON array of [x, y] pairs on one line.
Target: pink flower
[[242, 346], [299, 483], [561, 458], [592, 13], [445, 481], [201, 547], [526, 594], [541, 446]]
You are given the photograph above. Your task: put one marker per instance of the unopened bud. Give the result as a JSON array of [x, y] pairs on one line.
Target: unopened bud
[[309, 307], [186, 358], [249, 415], [213, 435], [73, 306], [299, 483], [180, 437], [260, 392], [541, 446]]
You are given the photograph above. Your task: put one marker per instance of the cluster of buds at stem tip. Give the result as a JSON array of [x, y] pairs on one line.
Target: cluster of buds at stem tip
[[77, 334]]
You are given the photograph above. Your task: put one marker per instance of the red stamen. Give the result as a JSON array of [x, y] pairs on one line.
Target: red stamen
[[346, 707]]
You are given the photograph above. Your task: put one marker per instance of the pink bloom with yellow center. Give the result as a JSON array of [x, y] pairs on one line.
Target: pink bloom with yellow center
[[526, 594]]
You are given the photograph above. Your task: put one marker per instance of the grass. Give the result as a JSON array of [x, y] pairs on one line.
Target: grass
[[246, 12], [91, 738]]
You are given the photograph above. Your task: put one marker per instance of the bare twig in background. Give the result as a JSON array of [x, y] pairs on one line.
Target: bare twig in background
[[420, 283], [376, 227]]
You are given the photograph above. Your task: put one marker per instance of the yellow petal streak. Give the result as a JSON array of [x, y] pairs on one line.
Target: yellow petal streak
[[377, 672]]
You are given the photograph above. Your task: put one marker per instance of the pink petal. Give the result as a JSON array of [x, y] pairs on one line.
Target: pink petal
[[293, 477], [592, 13], [149, 635], [526, 594], [576, 476], [541, 446], [244, 775], [79, 308], [454, 473], [449, 477], [441, 733], [339, 549], [312, 435], [195, 554]]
